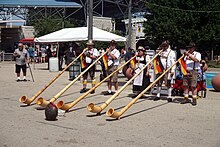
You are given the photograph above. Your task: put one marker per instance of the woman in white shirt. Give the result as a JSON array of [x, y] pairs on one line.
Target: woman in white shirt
[[143, 79]]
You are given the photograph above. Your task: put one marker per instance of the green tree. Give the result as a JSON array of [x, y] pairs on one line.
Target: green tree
[[48, 25], [181, 21]]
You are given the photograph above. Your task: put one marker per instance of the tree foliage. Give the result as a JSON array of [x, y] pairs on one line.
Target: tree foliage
[[181, 21], [48, 25]]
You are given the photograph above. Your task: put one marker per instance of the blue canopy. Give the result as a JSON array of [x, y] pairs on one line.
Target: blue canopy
[[39, 3]]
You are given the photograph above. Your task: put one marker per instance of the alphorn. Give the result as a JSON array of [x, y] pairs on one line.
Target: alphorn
[[61, 105], [117, 115], [97, 109], [42, 102], [24, 99]]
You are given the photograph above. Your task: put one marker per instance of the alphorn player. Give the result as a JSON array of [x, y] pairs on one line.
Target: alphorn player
[[167, 58], [89, 56], [192, 60], [113, 62], [143, 79]]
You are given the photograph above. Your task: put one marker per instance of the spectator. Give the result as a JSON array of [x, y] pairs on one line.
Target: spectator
[[43, 54], [22, 57], [31, 53]]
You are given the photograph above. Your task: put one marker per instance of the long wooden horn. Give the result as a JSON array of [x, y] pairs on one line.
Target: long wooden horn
[[41, 101], [97, 109], [114, 114], [24, 99], [63, 106]]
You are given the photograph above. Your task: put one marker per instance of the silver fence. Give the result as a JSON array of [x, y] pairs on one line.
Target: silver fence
[[6, 56]]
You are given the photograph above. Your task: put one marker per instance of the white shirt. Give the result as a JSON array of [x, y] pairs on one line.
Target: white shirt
[[111, 61], [141, 65], [168, 58], [93, 52], [190, 63]]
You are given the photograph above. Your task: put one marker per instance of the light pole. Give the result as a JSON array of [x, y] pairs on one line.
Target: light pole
[[90, 23], [129, 23]]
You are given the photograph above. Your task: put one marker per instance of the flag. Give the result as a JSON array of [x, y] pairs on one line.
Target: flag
[[105, 61], [158, 67], [83, 62], [183, 66], [133, 62]]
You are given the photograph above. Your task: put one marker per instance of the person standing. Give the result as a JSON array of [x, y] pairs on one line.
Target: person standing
[[127, 57], [192, 60], [21, 58], [103, 73], [61, 53], [113, 62], [128, 54], [166, 58], [143, 79], [89, 57], [43, 54], [31, 53], [122, 57]]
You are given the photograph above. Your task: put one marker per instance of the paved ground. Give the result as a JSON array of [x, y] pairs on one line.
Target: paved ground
[[146, 123]]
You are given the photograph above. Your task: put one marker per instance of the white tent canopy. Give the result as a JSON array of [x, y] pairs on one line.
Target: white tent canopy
[[79, 34]]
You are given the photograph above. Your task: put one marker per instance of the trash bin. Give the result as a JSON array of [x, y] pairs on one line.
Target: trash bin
[[74, 70], [53, 64]]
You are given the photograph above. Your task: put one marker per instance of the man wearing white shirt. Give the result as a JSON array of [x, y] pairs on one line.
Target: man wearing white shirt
[[192, 60], [113, 62], [89, 55], [168, 58]]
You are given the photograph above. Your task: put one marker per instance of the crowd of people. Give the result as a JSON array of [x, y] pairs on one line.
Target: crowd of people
[[166, 57]]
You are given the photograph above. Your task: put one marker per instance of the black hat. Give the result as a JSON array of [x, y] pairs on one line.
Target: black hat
[[112, 42], [165, 43], [191, 44]]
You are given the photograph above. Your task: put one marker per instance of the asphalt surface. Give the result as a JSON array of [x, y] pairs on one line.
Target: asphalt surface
[[146, 123]]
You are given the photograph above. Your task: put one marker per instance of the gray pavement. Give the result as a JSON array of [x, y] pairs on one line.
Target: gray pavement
[[146, 123]]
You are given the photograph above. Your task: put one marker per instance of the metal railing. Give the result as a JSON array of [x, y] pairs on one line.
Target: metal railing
[[6, 56]]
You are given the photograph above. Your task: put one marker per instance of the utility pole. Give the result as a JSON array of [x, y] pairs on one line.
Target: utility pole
[[90, 23], [63, 18], [129, 23]]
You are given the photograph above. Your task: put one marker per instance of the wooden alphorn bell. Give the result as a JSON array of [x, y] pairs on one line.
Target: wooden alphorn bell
[[61, 105], [25, 100], [42, 102], [117, 115], [97, 109]]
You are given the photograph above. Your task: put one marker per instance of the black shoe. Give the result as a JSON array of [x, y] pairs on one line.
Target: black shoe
[[92, 92], [109, 93], [156, 98], [169, 100], [194, 103], [25, 80], [185, 100], [83, 90], [18, 80]]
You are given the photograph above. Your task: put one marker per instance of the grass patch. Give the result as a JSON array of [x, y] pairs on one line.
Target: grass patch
[[213, 64]]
